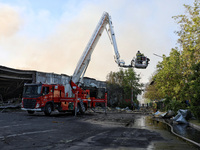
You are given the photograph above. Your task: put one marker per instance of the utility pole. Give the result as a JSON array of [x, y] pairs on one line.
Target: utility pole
[[132, 97]]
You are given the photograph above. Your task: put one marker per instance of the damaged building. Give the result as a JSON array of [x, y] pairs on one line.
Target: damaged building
[[13, 80]]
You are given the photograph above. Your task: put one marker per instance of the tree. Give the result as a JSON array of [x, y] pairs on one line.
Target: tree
[[189, 36], [177, 77], [124, 84], [194, 90], [131, 84], [190, 43], [152, 92], [169, 75]]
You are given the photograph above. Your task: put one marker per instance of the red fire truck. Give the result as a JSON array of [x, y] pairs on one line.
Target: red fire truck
[[48, 97]]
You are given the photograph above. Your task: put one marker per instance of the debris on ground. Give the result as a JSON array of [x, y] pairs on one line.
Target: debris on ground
[[182, 116], [159, 114], [170, 114], [14, 103]]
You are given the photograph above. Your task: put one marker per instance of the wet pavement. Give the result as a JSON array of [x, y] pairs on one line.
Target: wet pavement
[[164, 139], [123, 131]]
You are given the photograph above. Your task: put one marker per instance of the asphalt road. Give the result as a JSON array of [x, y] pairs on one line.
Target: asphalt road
[[20, 131]]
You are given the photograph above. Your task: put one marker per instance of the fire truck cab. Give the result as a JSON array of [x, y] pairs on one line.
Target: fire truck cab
[[42, 97]]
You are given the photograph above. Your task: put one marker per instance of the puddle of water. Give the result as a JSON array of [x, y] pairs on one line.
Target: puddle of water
[[146, 122]]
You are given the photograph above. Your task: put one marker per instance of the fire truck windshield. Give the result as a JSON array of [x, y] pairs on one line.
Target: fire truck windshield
[[32, 90]]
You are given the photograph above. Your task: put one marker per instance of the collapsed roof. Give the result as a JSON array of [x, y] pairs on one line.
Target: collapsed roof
[[12, 82]]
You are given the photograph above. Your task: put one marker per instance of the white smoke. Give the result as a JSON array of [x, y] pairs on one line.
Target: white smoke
[[38, 40]]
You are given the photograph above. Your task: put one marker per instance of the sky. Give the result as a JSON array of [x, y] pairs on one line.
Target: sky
[[51, 35]]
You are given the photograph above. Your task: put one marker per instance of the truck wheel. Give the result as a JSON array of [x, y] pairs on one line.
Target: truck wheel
[[30, 112], [48, 110]]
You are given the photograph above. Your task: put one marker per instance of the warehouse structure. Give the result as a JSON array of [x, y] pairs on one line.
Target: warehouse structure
[[13, 80]]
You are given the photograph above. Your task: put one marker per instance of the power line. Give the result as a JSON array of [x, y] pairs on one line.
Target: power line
[[158, 55]]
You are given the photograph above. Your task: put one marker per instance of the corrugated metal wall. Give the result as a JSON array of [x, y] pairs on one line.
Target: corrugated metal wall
[[52, 78]]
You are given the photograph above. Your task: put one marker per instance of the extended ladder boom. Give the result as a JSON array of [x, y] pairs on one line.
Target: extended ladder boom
[[86, 56]]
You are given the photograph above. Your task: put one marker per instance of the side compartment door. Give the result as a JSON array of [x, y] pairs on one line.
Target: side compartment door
[[46, 94]]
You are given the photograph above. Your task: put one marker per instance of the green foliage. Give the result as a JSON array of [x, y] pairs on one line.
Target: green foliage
[[190, 42], [115, 94], [122, 85], [173, 104], [177, 78], [151, 92], [169, 75], [124, 104], [194, 90], [168, 78]]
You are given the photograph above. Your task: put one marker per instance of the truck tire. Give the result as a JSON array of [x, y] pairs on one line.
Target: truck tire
[[30, 112], [48, 109]]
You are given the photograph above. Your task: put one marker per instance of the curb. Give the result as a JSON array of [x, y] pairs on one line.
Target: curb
[[194, 126]]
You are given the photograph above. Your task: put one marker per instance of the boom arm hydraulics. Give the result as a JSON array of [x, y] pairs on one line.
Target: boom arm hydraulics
[[86, 56]]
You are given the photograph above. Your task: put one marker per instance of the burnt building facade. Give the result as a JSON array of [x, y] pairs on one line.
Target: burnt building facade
[[13, 80]]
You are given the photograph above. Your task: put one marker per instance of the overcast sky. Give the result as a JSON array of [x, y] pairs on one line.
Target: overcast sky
[[50, 35]]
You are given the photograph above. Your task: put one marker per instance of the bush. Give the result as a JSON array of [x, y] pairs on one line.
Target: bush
[[173, 104], [195, 108]]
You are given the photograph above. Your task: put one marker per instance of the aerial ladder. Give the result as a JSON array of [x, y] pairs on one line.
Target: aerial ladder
[[84, 61], [48, 97], [76, 81]]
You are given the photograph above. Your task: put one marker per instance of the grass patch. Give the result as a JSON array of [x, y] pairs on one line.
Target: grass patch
[[196, 122]]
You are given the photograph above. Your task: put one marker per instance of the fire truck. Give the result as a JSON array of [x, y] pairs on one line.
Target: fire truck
[[49, 97]]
